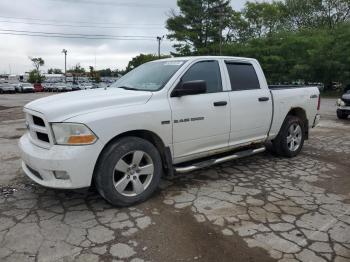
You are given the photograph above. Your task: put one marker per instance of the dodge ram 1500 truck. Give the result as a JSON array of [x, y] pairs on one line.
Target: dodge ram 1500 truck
[[166, 116]]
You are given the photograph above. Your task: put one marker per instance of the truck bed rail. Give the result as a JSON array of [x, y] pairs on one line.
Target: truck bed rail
[[277, 87]]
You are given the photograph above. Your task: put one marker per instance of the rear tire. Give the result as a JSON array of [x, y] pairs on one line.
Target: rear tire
[[291, 137], [128, 171], [341, 115]]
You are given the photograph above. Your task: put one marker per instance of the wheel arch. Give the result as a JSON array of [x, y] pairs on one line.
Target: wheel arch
[[149, 136]]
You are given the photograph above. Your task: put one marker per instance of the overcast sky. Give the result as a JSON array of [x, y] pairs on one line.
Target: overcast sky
[[134, 18]]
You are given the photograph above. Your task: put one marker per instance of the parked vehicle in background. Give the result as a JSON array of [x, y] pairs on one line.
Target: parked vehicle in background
[[75, 87], [7, 88], [24, 88], [85, 86], [171, 115], [16, 86], [56, 87], [47, 87], [60, 87], [69, 87], [102, 85], [38, 87], [343, 110]]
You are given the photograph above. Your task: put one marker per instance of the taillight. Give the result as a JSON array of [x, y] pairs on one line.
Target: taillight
[[319, 103]]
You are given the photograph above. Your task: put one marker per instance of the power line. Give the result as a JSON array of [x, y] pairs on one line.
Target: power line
[[111, 3], [76, 37], [80, 26], [74, 22], [83, 35]]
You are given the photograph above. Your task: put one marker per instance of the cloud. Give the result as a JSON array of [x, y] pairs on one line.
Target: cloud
[[133, 18]]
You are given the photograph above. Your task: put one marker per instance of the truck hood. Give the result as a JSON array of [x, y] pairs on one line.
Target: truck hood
[[346, 96], [58, 108]]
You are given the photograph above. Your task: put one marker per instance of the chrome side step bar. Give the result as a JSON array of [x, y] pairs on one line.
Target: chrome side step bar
[[216, 161]]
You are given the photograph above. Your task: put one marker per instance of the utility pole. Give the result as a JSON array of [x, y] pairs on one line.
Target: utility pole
[[64, 51], [220, 34], [159, 39], [221, 13], [95, 59]]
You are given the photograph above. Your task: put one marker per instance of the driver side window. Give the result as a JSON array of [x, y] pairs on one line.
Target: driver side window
[[209, 71]]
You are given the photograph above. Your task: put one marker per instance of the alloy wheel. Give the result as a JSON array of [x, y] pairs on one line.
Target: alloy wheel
[[133, 173], [294, 137]]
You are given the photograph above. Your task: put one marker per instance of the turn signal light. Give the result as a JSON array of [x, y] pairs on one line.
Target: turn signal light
[[81, 139]]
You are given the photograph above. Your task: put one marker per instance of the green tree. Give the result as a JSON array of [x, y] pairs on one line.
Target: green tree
[[141, 59], [37, 62], [197, 28], [303, 13], [105, 72], [76, 71], [54, 71], [35, 75], [317, 13], [264, 18], [320, 55], [238, 28], [335, 12], [94, 75]]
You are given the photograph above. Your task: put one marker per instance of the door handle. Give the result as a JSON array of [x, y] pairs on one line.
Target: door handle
[[220, 103], [264, 99]]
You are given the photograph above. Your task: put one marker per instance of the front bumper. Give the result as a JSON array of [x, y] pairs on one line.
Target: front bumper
[[345, 109], [316, 120], [28, 90], [78, 162]]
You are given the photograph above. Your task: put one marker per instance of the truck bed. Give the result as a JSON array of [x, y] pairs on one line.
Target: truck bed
[[286, 98]]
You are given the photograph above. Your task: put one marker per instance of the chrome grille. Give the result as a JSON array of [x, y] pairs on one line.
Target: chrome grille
[[39, 129]]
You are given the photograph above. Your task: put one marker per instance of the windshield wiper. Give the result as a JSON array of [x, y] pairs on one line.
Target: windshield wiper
[[128, 88]]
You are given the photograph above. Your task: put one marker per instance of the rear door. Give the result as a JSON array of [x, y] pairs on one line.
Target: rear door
[[251, 105], [201, 122]]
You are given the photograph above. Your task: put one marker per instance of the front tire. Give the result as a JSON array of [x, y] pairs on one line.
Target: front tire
[[128, 171], [341, 114], [291, 137]]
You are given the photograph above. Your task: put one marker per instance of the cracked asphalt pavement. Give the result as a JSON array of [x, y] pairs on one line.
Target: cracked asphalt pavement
[[261, 208]]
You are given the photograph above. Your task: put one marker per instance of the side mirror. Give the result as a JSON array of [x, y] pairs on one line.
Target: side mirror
[[190, 88]]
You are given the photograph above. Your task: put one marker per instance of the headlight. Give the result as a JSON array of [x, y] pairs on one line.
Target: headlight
[[340, 102], [73, 134]]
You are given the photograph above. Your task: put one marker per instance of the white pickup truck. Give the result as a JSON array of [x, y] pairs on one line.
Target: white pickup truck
[[172, 115]]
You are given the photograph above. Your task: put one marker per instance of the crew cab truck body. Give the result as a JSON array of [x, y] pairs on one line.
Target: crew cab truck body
[[177, 114]]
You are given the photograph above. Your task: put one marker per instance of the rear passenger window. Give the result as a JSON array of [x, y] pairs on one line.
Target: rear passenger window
[[209, 71], [242, 76]]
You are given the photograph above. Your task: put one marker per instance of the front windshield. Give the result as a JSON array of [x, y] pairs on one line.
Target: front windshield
[[150, 76]]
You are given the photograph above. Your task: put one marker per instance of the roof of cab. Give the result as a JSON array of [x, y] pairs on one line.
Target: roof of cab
[[193, 58]]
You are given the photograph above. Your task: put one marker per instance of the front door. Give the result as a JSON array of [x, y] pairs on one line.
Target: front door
[[201, 122]]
